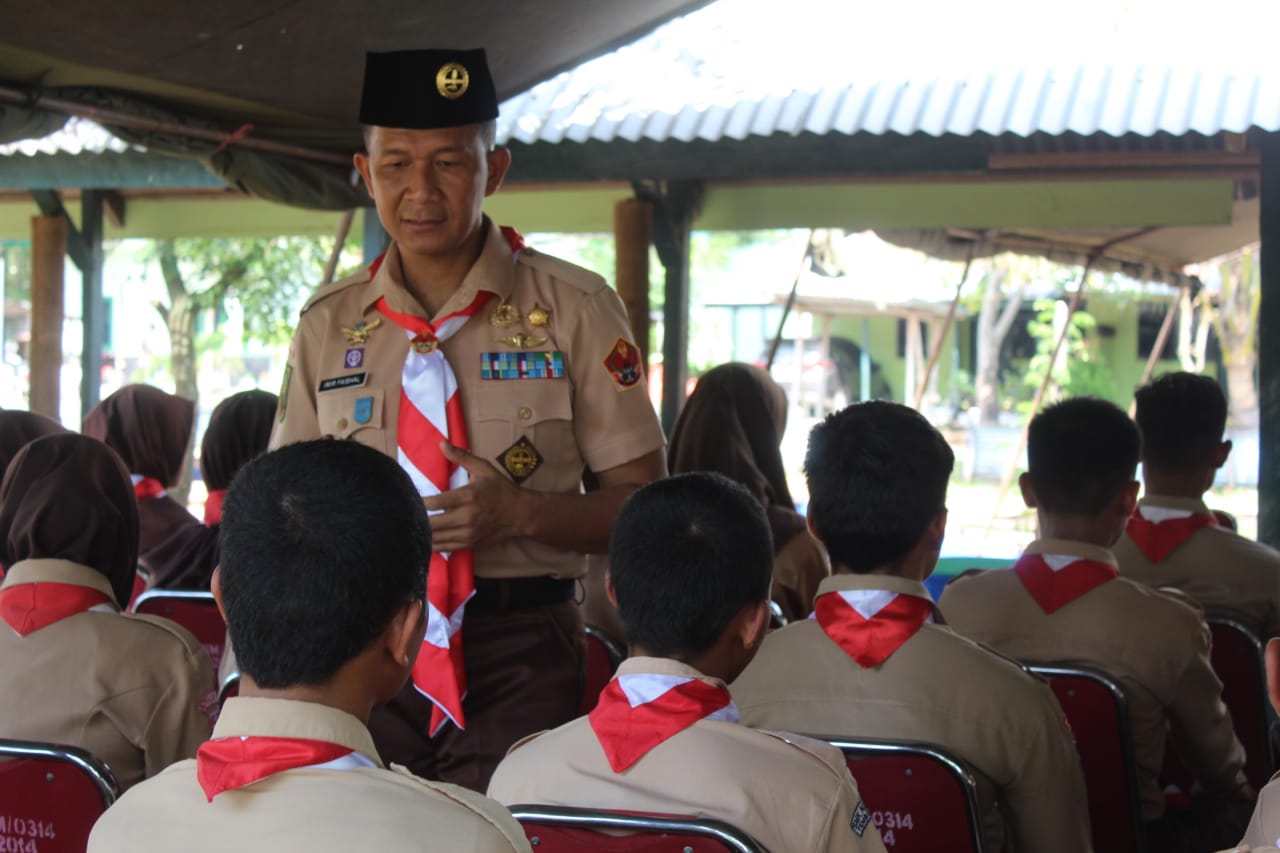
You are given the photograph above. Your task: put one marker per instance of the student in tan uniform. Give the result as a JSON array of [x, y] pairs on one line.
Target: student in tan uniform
[[1173, 539], [875, 662], [1264, 828], [462, 336], [1064, 601], [74, 669], [17, 430], [326, 625], [689, 569], [150, 430], [733, 424]]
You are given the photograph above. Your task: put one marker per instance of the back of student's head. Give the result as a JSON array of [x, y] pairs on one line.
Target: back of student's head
[[687, 554], [322, 543], [1182, 417], [877, 476], [1081, 453]]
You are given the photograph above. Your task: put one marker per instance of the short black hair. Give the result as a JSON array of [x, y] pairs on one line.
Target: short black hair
[[686, 555], [877, 475], [1081, 453], [1182, 417], [321, 543]]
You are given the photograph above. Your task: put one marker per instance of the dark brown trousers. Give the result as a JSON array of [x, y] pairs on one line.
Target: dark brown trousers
[[525, 673]]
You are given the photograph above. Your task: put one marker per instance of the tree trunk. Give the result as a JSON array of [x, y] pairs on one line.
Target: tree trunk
[[1242, 393], [994, 324], [180, 319]]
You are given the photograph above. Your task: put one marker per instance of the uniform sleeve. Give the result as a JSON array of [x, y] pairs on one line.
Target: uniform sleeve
[[1264, 826], [613, 419], [849, 825], [1046, 803], [296, 416], [1201, 724], [180, 721]]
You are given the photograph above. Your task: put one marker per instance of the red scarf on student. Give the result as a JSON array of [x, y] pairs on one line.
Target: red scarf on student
[[870, 624], [28, 607], [234, 762], [148, 488], [1055, 580], [213, 507], [636, 712], [1158, 539]]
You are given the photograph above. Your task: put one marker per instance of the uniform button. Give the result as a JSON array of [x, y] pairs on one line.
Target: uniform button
[[342, 423], [525, 413]]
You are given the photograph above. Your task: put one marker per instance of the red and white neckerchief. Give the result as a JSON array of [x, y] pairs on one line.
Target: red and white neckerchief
[[870, 624], [636, 712], [1055, 580], [234, 762], [213, 507], [1159, 531], [431, 412], [28, 607], [145, 488]]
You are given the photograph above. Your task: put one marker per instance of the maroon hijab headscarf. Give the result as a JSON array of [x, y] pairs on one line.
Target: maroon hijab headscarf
[[18, 429], [68, 497], [147, 427], [238, 431]]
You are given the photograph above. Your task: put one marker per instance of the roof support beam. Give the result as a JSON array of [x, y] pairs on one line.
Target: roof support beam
[[93, 306], [50, 204], [1269, 347]]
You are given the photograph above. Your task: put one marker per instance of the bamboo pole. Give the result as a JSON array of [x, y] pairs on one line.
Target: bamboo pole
[[1166, 328], [339, 240], [946, 328], [791, 301]]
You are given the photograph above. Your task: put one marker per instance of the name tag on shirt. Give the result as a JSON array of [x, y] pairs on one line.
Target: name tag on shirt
[[337, 383], [522, 365]]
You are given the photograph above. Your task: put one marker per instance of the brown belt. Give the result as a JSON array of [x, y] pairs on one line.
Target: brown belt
[[496, 595]]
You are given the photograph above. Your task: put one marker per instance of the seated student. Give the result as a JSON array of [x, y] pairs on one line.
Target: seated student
[[1174, 540], [74, 669], [689, 569], [1063, 601], [150, 430], [874, 662], [323, 576], [1264, 827], [238, 431], [17, 430]]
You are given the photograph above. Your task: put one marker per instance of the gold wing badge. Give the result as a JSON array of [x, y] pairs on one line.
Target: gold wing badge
[[358, 334]]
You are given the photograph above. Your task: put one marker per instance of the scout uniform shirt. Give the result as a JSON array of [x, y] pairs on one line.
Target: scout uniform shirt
[[1264, 826], [549, 379], [937, 688], [1155, 645], [791, 794], [1229, 575], [127, 688], [353, 805]]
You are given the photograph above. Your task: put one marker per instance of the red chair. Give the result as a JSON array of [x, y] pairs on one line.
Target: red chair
[[921, 797], [603, 658], [141, 580], [195, 611], [1098, 713], [558, 829], [1237, 659], [50, 796]]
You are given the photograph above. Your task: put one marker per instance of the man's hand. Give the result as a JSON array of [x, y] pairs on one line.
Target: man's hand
[[489, 509]]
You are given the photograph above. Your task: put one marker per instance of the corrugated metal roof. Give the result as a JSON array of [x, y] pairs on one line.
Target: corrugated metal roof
[[77, 136]]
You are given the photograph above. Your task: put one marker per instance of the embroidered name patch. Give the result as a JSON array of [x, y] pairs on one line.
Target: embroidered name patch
[[861, 817], [337, 383], [522, 365]]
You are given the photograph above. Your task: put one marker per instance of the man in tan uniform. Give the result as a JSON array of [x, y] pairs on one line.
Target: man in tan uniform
[[133, 690], [548, 384], [875, 663], [689, 569], [325, 628], [1064, 602], [1173, 539]]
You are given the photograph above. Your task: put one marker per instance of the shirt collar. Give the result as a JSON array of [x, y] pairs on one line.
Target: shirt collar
[[57, 571], [244, 716], [1196, 505], [1071, 548], [892, 583], [664, 666]]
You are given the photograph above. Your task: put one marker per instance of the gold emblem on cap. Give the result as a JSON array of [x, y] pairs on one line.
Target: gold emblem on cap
[[452, 80], [539, 316], [522, 341], [504, 316]]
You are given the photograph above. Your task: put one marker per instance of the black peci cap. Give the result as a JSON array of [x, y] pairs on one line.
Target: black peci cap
[[425, 89]]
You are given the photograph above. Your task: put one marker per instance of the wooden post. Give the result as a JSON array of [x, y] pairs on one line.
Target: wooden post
[[48, 256], [1269, 346], [632, 236]]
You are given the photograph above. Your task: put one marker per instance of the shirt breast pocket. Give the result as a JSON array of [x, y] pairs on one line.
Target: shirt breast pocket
[[354, 413], [511, 414]]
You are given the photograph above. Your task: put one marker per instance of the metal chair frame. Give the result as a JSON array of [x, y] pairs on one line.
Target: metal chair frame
[[1113, 687], [616, 653], [232, 679], [101, 776], [188, 594], [1259, 654], [730, 836], [957, 767]]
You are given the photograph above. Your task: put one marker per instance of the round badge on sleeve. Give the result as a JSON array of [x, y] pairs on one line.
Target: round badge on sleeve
[[452, 80]]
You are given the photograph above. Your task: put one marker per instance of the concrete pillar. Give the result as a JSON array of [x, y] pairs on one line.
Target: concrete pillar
[[48, 257]]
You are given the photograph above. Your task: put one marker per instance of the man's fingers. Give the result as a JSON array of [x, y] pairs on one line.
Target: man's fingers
[[469, 462], [446, 500]]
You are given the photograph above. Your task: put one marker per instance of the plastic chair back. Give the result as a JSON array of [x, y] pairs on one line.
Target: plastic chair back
[[1098, 713], [50, 796], [603, 659], [195, 611], [921, 797], [559, 829], [1237, 657]]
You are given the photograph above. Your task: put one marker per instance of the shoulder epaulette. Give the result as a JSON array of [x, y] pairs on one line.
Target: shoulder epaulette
[[360, 276], [580, 277]]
